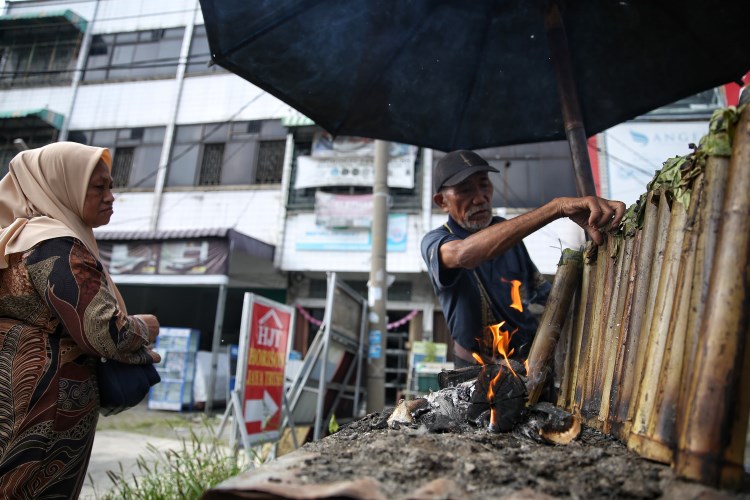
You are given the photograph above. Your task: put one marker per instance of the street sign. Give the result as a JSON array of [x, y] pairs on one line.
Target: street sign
[[264, 342]]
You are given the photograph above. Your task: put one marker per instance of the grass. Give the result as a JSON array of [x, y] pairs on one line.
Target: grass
[[200, 463]]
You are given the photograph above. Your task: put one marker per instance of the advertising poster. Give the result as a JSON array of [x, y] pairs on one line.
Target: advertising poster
[[270, 325]]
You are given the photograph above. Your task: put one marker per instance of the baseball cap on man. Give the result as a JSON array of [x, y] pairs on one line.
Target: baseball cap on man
[[456, 167]]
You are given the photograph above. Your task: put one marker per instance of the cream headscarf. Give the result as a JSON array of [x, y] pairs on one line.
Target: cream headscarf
[[42, 197]]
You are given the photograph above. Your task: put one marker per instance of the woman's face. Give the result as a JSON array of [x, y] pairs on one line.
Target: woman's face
[[97, 207]]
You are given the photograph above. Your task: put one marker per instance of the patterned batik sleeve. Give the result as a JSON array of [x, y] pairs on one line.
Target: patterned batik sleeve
[[73, 283]]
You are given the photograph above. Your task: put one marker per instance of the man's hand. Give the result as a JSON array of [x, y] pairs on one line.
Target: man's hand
[[595, 215]]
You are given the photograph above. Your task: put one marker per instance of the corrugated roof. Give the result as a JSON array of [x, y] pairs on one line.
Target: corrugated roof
[[237, 240]]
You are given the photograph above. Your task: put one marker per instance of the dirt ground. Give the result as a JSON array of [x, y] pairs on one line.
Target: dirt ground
[[449, 458]]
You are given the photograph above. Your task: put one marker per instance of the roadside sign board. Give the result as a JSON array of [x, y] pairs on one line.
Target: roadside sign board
[[264, 343]]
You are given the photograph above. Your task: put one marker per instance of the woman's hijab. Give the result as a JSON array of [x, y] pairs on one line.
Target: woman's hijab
[[42, 197]]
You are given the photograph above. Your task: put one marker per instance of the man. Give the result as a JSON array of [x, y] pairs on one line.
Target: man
[[479, 267]]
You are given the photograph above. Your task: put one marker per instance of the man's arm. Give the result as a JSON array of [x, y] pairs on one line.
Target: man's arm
[[589, 212]]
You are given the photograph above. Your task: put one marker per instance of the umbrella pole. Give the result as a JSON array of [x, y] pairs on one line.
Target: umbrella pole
[[571, 110]]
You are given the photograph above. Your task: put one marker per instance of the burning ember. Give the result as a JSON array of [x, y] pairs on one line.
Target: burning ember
[[499, 382]]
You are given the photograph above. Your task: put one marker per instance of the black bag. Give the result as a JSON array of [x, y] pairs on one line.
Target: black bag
[[122, 386]]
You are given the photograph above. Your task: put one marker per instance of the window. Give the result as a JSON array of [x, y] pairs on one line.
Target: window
[[135, 153], [122, 163], [34, 137], [227, 154], [37, 57], [210, 174], [270, 162], [134, 55], [199, 57]]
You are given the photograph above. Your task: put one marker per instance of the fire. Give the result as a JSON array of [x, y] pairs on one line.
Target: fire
[[501, 343], [515, 294]]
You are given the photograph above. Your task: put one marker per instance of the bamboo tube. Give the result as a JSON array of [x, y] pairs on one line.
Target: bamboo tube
[[567, 278], [660, 441], [711, 441], [712, 198], [590, 407], [634, 353], [624, 314], [605, 342], [662, 224], [566, 344], [582, 327], [640, 440], [616, 308]]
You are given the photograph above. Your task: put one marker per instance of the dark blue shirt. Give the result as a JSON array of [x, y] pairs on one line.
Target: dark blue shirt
[[459, 295]]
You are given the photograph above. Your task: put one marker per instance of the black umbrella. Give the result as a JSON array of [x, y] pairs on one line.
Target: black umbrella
[[473, 74]]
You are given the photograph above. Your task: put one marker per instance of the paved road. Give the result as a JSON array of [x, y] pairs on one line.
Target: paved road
[[115, 448]]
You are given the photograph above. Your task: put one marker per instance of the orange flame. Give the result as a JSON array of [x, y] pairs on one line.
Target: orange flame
[[501, 343], [526, 366], [515, 294], [478, 358]]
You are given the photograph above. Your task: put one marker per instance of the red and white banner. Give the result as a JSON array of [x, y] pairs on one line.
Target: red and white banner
[[268, 336]]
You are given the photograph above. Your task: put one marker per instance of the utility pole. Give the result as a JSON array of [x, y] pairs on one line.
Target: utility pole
[[377, 286]]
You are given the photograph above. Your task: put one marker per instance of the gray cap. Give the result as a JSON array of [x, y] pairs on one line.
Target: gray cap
[[457, 166]]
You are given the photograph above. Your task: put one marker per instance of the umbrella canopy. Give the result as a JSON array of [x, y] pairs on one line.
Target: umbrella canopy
[[470, 74]]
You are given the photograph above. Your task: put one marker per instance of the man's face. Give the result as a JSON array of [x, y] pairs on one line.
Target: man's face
[[468, 203], [97, 207]]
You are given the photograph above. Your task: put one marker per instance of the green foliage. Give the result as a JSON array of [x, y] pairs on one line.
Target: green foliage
[[200, 463], [333, 425]]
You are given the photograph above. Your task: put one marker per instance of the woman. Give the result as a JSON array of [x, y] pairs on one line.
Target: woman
[[59, 313]]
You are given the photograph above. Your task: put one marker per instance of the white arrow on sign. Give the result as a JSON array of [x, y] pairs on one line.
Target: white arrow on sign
[[260, 410]]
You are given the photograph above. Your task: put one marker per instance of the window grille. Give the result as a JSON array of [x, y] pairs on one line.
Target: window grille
[[210, 174], [270, 162], [122, 163]]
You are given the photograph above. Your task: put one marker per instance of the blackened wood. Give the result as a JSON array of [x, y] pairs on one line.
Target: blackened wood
[[451, 378], [509, 395]]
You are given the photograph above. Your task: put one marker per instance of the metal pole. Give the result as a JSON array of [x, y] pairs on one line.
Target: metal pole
[[377, 287], [571, 110], [215, 346]]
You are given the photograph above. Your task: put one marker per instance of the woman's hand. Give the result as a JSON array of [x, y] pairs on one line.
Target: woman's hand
[[152, 324]]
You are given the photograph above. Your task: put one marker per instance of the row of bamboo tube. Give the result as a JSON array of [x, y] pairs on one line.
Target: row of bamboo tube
[[655, 344]]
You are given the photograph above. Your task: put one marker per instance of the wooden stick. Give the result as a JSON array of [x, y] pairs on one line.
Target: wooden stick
[[634, 354], [662, 225], [567, 278], [712, 439]]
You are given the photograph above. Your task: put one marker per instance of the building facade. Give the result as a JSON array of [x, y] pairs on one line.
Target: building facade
[[223, 189]]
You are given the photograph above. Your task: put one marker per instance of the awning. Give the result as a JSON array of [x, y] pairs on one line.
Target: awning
[[48, 21], [31, 118], [237, 240], [296, 119], [150, 259]]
